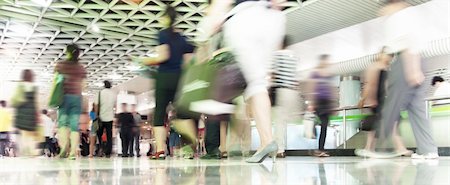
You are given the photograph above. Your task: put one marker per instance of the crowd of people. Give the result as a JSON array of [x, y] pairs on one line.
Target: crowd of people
[[238, 30]]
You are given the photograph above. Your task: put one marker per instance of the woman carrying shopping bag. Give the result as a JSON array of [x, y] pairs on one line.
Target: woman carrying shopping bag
[[71, 105], [169, 55]]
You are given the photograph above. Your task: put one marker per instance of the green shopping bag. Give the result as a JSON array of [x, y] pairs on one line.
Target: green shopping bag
[[57, 92], [195, 85]]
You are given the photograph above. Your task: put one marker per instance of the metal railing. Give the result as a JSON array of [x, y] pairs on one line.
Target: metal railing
[[354, 107]]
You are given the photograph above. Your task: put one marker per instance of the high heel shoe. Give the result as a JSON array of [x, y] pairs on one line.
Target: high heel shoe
[[271, 149], [159, 155]]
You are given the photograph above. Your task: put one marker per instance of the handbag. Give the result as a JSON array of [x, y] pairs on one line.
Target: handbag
[[309, 125], [195, 85], [57, 91], [96, 122], [19, 97]]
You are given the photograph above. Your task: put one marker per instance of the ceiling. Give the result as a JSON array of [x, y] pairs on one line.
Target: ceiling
[[34, 33], [318, 17]]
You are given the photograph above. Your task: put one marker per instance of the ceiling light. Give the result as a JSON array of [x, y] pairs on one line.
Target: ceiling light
[[95, 28], [115, 76], [21, 30], [43, 3], [133, 67]]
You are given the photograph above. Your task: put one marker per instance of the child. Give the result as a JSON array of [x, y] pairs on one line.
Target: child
[[126, 122]]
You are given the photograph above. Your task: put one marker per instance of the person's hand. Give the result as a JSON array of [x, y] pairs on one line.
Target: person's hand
[[415, 78], [361, 103]]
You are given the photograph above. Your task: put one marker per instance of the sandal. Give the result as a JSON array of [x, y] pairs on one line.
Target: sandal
[[159, 155]]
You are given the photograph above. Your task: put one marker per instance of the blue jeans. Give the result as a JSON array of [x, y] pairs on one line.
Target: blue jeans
[[69, 112]]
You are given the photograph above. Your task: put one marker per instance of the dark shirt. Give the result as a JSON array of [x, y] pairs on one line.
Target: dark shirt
[[178, 47], [126, 120], [323, 88]]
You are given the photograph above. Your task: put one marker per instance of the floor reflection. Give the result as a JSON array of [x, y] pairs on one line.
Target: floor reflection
[[293, 170]]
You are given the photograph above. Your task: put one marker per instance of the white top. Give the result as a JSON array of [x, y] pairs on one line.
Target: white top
[[108, 101], [285, 69], [49, 125], [403, 31], [442, 90]]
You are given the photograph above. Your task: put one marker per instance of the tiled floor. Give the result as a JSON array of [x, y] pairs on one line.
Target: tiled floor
[[292, 170]]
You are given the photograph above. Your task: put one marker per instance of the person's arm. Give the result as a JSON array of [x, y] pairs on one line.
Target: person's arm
[[412, 67], [371, 86], [162, 54]]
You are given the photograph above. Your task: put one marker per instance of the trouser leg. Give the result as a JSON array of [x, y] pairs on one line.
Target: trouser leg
[[324, 119], [212, 136], [109, 138], [421, 126]]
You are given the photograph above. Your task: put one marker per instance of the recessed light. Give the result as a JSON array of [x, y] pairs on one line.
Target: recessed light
[[43, 3], [95, 28]]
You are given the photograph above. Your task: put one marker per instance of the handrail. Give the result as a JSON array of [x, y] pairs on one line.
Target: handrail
[[354, 107], [434, 98]]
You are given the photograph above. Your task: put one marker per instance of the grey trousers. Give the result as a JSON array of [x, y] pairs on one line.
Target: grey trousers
[[402, 96]]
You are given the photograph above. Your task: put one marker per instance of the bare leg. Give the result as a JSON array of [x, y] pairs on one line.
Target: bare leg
[[160, 138], [260, 104], [223, 136], [92, 142], [398, 142], [370, 144]]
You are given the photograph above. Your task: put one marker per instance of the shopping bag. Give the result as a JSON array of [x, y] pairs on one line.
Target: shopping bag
[[229, 82], [309, 125], [195, 85], [57, 91]]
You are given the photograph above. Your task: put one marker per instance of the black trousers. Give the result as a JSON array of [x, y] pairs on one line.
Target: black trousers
[[108, 127], [323, 111], [212, 136], [126, 135], [165, 90], [49, 145], [136, 138]]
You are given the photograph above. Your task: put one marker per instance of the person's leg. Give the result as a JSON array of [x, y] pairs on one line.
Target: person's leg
[[212, 136], [100, 131], [397, 140], [223, 137], [162, 100], [137, 146], [324, 119], [124, 143], [109, 138], [92, 143], [74, 120], [63, 127], [370, 143], [421, 125], [131, 143]]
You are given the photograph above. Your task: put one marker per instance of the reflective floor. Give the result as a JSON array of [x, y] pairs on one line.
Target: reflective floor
[[292, 170]]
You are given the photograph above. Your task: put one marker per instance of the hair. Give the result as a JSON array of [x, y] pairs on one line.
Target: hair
[[436, 79], [107, 84], [286, 41], [172, 14], [3, 103], [27, 75], [324, 57], [123, 104], [75, 51], [44, 111]]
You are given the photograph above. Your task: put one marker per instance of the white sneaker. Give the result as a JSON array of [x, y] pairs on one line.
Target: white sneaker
[[426, 156], [211, 107]]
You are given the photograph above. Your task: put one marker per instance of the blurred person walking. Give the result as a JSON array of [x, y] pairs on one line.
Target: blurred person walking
[[321, 99], [442, 89], [406, 89], [127, 124], [285, 83], [27, 115], [105, 102], [169, 56], [253, 50], [93, 132], [49, 133], [374, 93], [136, 131], [5, 127], [70, 109]]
